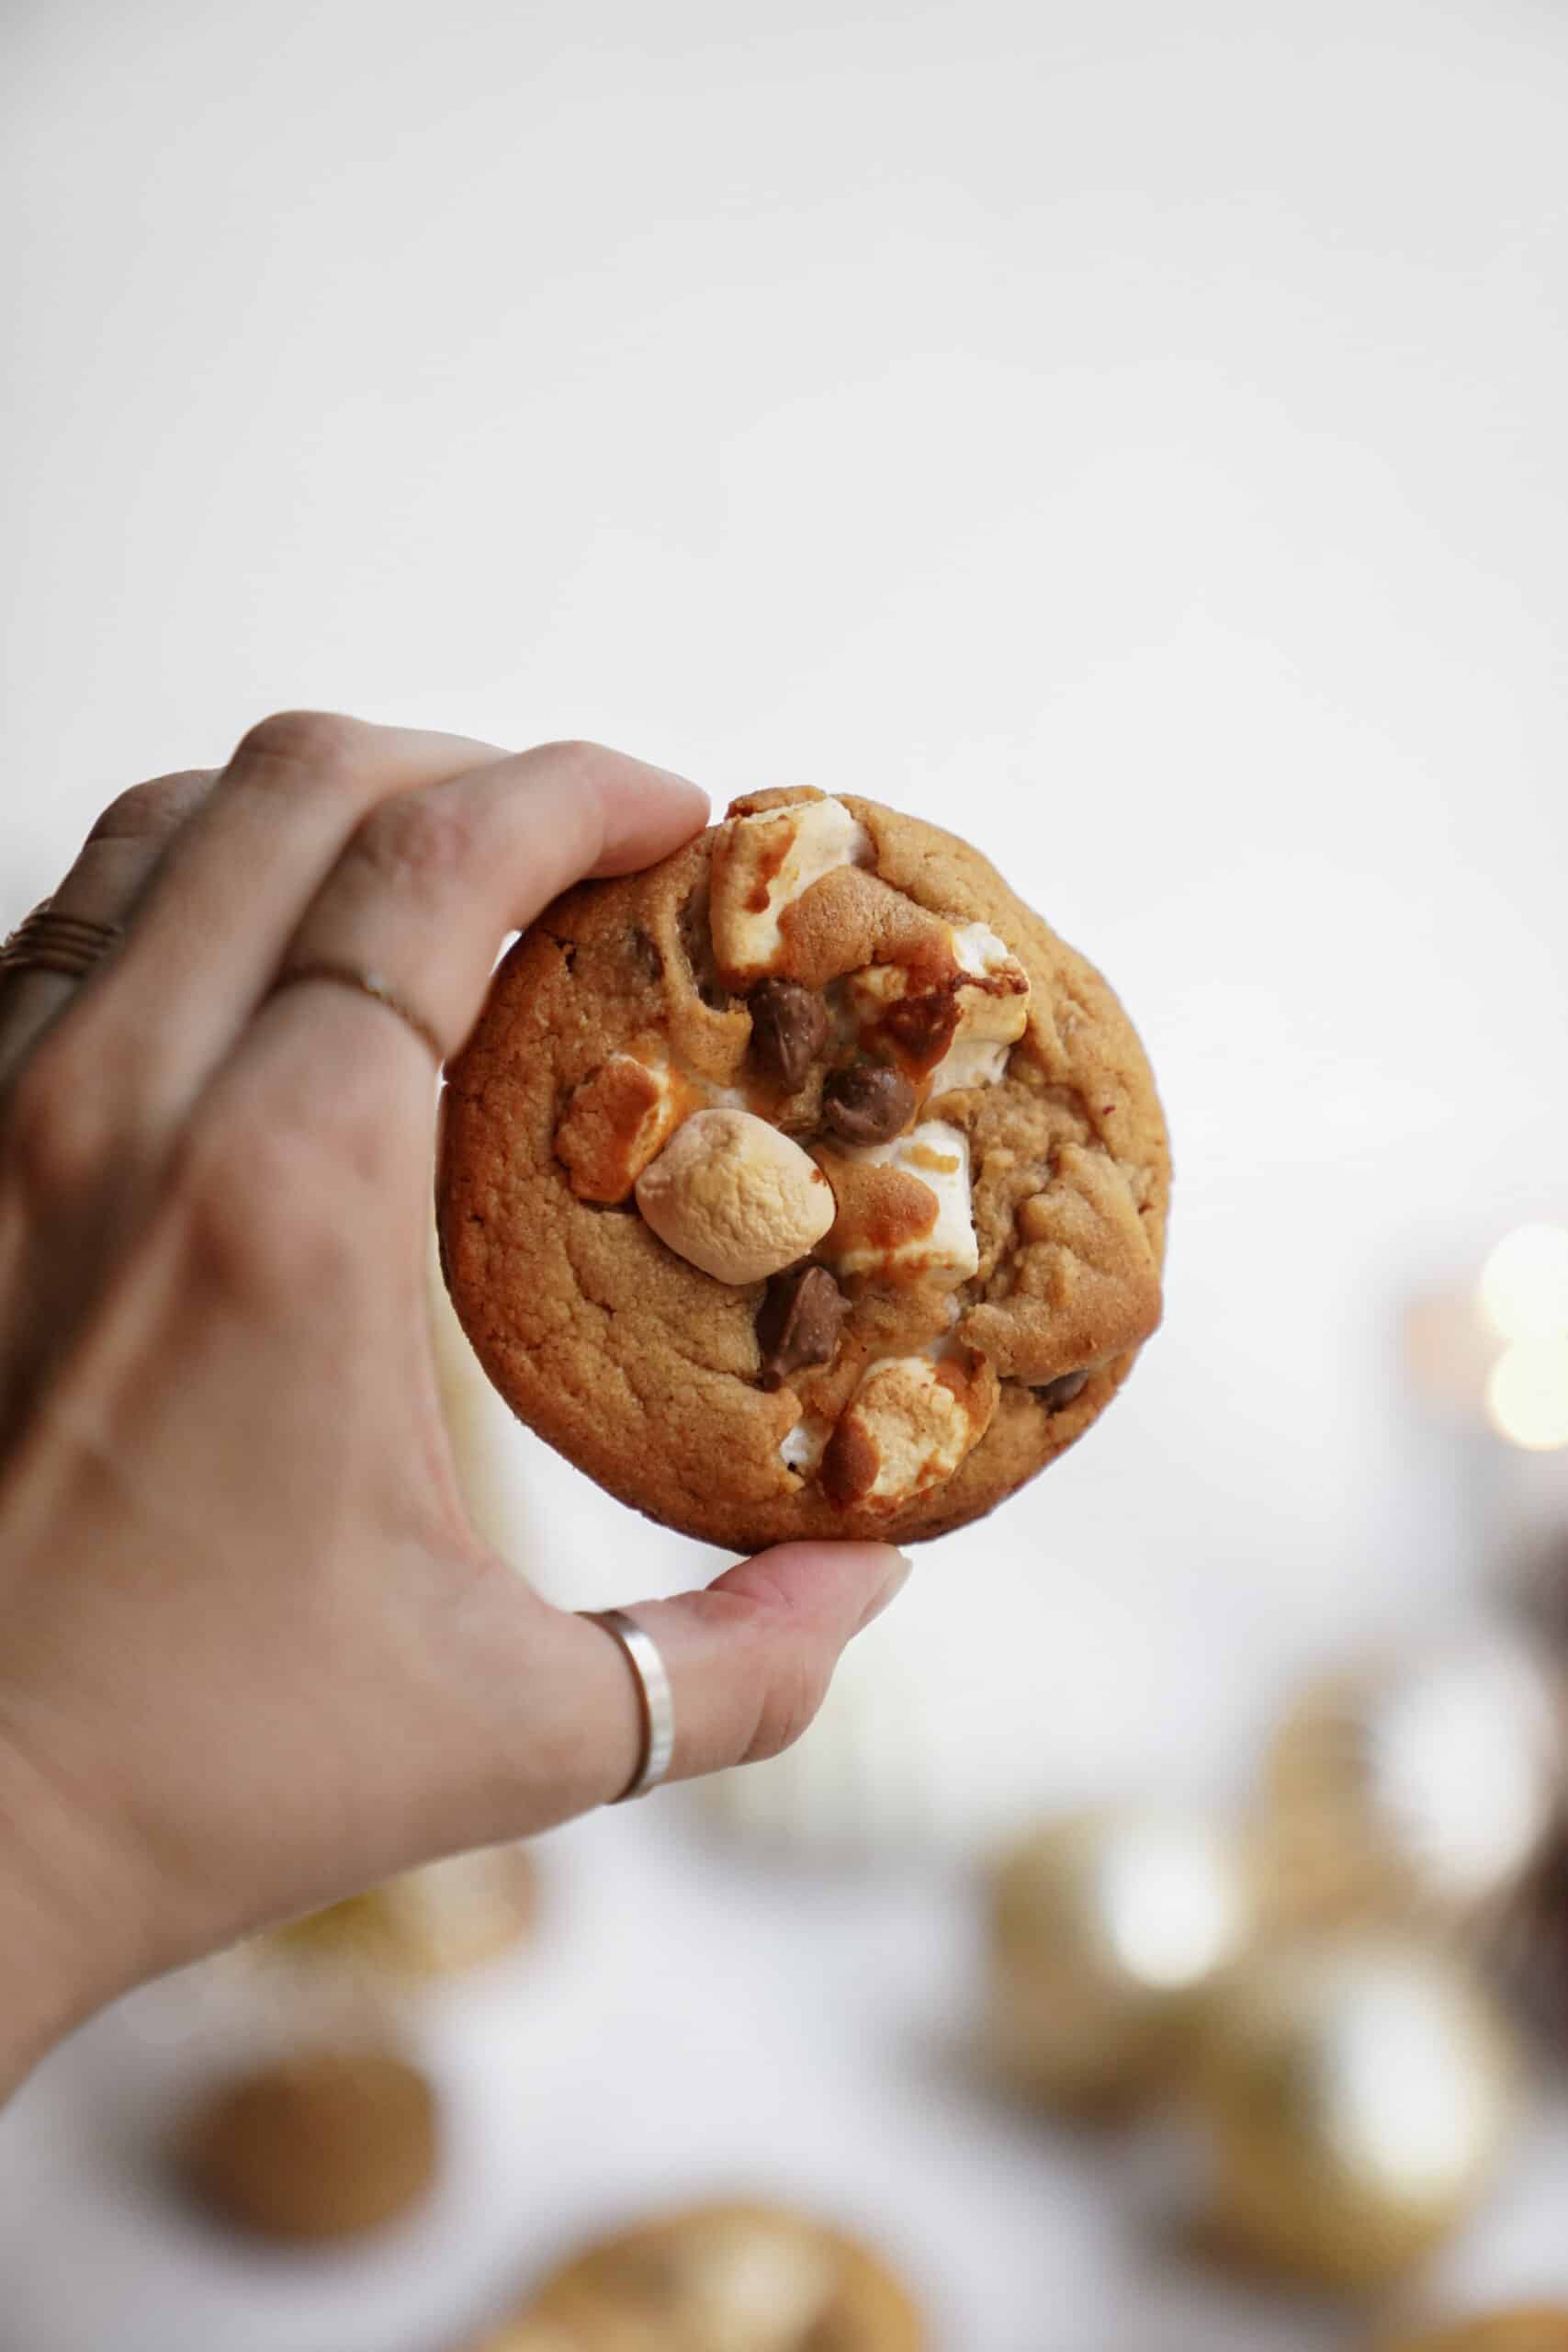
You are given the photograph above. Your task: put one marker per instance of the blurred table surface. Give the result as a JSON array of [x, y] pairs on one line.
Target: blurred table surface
[[688, 2022]]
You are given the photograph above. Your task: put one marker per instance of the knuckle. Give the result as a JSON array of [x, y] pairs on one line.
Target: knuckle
[[302, 748], [574, 752], [150, 811], [262, 1218], [429, 838], [52, 1132]]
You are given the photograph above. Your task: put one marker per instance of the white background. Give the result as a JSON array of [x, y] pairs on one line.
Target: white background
[[1130, 434]]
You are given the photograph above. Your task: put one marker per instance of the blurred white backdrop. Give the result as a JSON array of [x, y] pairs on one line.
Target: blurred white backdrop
[[1132, 435]]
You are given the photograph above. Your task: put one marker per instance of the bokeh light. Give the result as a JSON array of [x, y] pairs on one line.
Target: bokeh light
[[1526, 1395], [1524, 1283]]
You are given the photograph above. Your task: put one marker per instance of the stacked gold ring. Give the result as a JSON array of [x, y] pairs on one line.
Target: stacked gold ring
[[47, 942]]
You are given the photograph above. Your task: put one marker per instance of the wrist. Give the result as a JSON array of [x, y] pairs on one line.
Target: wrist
[[60, 1956]]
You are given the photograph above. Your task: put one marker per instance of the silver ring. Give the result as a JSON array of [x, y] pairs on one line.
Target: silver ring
[[655, 1696]]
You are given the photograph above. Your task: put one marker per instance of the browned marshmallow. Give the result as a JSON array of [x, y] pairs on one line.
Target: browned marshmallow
[[908, 1425], [617, 1120], [734, 1197], [950, 1017], [904, 1207], [761, 863]]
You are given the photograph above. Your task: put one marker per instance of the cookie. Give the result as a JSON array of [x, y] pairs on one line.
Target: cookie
[[806, 1184], [723, 2278], [436, 1921], [321, 2145], [1537, 2327]]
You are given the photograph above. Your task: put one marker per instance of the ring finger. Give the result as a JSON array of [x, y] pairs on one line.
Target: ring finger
[[112, 870], [212, 922]]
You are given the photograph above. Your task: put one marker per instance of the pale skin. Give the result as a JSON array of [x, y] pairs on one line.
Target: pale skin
[[253, 1657]]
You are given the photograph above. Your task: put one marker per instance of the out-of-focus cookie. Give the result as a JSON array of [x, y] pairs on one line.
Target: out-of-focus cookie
[[436, 1921], [721, 2279], [1108, 1930], [1534, 2327], [807, 1184], [323, 2144]]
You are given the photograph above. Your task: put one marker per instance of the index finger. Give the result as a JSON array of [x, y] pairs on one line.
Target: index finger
[[432, 882]]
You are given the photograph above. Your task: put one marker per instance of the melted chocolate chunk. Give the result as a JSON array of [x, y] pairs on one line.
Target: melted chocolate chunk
[[789, 1029], [1056, 1394], [799, 1321], [867, 1102]]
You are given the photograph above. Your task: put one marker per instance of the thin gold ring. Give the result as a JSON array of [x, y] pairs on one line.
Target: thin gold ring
[[371, 984], [68, 944]]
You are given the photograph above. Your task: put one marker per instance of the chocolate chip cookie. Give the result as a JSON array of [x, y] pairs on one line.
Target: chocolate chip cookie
[[722, 2279], [807, 1184]]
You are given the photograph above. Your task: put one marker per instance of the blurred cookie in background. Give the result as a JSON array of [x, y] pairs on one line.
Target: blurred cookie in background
[[430, 1923], [1106, 1928], [1535, 2327], [719, 2279], [1358, 2093], [1421, 1787], [316, 2147]]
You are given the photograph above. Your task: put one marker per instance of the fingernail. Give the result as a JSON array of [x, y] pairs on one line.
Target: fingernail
[[892, 1585]]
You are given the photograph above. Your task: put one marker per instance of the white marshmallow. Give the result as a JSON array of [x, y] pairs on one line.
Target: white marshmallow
[[937, 1155], [971, 1061], [801, 1447], [732, 1195], [774, 857], [991, 1016], [913, 1424]]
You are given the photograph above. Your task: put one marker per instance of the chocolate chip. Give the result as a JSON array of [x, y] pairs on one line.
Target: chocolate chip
[[799, 1321], [1056, 1394], [867, 1102], [789, 1029]]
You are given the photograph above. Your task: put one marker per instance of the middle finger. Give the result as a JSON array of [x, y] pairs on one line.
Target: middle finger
[[210, 935]]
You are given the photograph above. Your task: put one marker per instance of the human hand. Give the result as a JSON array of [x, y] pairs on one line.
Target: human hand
[[251, 1654]]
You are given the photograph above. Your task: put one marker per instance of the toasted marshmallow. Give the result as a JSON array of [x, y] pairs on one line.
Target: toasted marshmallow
[[937, 1156], [954, 1025], [761, 865], [801, 1447], [733, 1196], [908, 1426], [991, 1018], [618, 1120]]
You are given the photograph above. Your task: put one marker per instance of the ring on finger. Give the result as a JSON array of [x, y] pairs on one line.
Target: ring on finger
[[655, 1698], [70, 945], [366, 983]]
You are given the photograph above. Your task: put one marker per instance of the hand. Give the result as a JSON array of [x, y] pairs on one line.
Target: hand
[[252, 1655]]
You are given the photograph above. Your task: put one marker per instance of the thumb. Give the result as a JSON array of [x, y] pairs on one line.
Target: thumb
[[751, 1658]]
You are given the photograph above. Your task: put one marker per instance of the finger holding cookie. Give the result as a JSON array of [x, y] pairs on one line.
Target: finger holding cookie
[[256, 1657]]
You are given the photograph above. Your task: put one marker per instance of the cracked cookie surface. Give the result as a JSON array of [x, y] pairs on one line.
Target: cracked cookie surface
[[835, 991]]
